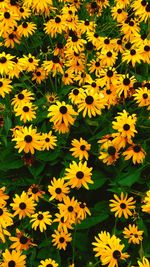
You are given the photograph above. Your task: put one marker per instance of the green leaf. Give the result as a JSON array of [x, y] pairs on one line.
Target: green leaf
[[36, 168], [7, 124], [99, 179], [130, 177], [48, 155]]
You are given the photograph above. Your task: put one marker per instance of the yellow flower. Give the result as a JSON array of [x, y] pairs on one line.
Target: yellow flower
[[60, 239], [28, 139], [5, 86], [58, 189], [23, 205], [49, 141], [133, 234], [26, 29], [6, 63], [41, 219], [13, 258], [136, 152], [78, 175], [122, 206], [48, 262], [146, 205], [26, 111], [80, 148], [21, 241]]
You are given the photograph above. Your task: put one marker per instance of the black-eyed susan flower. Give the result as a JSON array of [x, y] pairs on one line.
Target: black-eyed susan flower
[[3, 196], [8, 18], [134, 152], [61, 239], [6, 63], [108, 57], [10, 39], [40, 220], [22, 97], [21, 241], [132, 56], [35, 192], [133, 234], [80, 148], [43, 7], [108, 76], [28, 139], [109, 249], [142, 97], [144, 262], [53, 66], [62, 112], [122, 206], [13, 258], [24, 12], [26, 29], [83, 211], [29, 63], [48, 262], [124, 84], [69, 208], [146, 201], [58, 189], [75, 44], [82, 78], [51, 98], [75, 95], [109, 152], [95, 66], [26, 112], [61, 128], [91, 103], [5, 217], [63, 225], [141, 9], [55, 26], [125, 125], [119, 13], [39, 75], [68, 78], [49, 141], [23, 205], [5, 86], [78, 175]]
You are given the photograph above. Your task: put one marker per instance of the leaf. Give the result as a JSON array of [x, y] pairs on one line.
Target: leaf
[[98, 214], [7, 124], [48, 155], [99, 179], [130, 177], [36, 168]]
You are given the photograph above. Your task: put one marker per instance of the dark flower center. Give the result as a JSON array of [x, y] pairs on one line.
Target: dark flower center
[[35, 190], [21, 9], [38, 73], [28, 138], [128, 45], [147, 85], [93, 84], [116, 254], [1, 212], [137, 149], [126, 126], [132, 52], [126, 81], [148, 7], [97, 64], [62, 219], [147, 48], [95, 35], [23, 239], [40, 217], [74, 38], [49, 265], [47, 139], [24, 24], [11, 36], [82, 205], [25, 109], [106, 41], [7, 15], [86, 22], [123, 206], [30, 60], [3, 60], [108, 92], [58, 190], [20, 96], [66, 75], [57, 20], [83, 75], [119, 10], [22, 206], [11, 263], [61, 239], [70, 209], [55, 59], [145, 96], [119, 42], [109, 73], [79, 174], [93, 5], [82, 147], [131, 23], [63, 109], [143, 3], [1, 84], [89, 100], [109, 54], [111, 150], [75, 91]]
